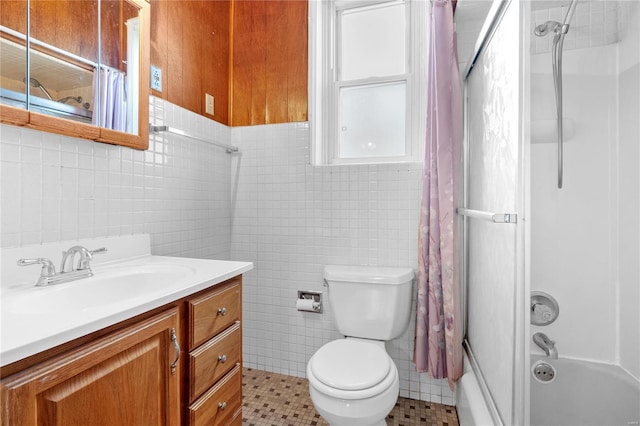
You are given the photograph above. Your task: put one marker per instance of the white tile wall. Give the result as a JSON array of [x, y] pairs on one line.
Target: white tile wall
[[265, 205], [56, 188], [291, 219]]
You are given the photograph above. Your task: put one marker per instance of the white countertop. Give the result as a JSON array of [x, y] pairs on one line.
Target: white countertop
[[28, 332]]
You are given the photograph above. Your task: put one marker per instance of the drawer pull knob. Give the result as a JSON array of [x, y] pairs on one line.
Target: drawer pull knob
[[222, 311], [222, 358], [222, 405]]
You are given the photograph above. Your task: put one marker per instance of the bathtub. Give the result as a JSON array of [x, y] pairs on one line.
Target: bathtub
[[470, 403], [584, 393]]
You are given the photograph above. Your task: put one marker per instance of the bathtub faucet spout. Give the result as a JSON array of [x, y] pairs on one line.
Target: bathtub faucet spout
[[548, 345]]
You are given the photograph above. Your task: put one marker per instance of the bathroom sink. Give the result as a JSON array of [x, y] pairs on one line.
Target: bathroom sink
[[108, 286], [127, 281]]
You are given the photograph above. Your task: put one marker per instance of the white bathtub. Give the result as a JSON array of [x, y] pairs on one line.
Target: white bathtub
[[585, 393], [470, 404]]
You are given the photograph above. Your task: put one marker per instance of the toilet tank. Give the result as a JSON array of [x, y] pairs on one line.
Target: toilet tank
[[370, 302]]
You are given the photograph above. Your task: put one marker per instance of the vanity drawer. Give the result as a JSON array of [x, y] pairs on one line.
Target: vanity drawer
[[209, 362], [212, 312], [220, 404]]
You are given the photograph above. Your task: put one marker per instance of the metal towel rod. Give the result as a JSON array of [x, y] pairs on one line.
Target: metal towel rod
[[490, 216], [158, 129]]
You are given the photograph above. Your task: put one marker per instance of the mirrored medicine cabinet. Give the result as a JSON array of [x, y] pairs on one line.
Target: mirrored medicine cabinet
[[77, 68]]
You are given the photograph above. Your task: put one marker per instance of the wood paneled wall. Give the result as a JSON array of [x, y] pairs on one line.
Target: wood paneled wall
[[251, 55], [190, 43], [13, 14], [269, 65], [73, 26]]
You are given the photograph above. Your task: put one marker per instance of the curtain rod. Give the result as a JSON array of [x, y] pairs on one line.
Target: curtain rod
[[159, 129]]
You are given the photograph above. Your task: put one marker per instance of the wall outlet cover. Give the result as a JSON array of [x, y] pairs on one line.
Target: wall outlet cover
[[156, 78], [208, 103]]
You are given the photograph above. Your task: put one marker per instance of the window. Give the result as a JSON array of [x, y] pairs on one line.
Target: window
[[367, 85]]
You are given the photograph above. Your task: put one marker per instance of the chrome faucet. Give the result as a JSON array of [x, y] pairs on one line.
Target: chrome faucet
[[48, 273], [548, 345], [85, 258]]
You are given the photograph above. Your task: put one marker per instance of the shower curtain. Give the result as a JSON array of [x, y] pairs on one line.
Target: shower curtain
[[111, 95], [438, 340]]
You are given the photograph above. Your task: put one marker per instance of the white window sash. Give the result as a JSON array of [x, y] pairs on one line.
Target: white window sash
[[324, 88]]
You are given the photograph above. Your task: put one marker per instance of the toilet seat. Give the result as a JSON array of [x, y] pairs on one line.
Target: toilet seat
[[351, 369]]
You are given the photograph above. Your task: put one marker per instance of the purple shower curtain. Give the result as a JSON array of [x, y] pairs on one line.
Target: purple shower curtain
[[111, 93], [438, 342]]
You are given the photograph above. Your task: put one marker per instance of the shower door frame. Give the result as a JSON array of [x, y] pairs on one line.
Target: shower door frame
[[520, 351]]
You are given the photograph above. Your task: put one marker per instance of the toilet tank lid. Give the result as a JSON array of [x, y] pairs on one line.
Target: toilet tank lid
[[368, 274]]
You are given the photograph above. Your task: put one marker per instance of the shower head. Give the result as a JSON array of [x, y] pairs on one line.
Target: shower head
[[35, 83]]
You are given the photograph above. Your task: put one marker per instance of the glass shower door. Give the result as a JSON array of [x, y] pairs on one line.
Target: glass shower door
[[493, 216]]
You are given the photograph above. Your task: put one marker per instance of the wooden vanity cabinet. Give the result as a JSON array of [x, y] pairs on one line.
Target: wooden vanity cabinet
[[215, 356], [124, 376]]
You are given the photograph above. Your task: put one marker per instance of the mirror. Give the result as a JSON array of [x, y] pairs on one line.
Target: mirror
[[13, 60], [81, 69]]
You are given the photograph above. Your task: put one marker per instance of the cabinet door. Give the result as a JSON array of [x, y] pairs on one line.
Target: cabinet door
[[122, 379]]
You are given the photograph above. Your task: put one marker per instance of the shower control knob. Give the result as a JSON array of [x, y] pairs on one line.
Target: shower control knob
[[544, 308]]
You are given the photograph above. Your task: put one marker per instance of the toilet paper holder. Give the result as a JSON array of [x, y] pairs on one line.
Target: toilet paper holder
[[316, 296]]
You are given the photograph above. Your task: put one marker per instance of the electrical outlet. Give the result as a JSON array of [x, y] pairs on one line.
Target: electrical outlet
[[156, 78], [208, 103]]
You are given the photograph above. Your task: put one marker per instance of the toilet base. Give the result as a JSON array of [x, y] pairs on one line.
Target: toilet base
[[356, 412]]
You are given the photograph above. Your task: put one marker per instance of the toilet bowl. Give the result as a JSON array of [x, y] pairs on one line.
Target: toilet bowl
[[353, 381]]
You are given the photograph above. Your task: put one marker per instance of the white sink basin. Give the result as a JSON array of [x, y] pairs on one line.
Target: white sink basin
[[128, 281], [117, 284]]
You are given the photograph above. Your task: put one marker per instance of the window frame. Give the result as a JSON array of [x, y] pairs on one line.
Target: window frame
[[325, 86]]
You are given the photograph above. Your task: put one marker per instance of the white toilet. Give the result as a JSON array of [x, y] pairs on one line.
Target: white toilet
[[353, 381]]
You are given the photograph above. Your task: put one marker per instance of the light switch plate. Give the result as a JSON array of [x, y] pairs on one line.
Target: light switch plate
[[208, 103], [156, 78]]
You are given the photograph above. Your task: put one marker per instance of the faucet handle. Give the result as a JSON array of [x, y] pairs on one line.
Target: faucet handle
[[98, 250], [48, 269], [84, 261]]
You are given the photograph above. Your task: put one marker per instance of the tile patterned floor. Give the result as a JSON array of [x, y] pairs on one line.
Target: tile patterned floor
[[272, 399]]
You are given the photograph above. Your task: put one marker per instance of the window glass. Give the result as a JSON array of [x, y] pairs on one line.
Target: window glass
[[372, 42], [367, 80], [372, 121]]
